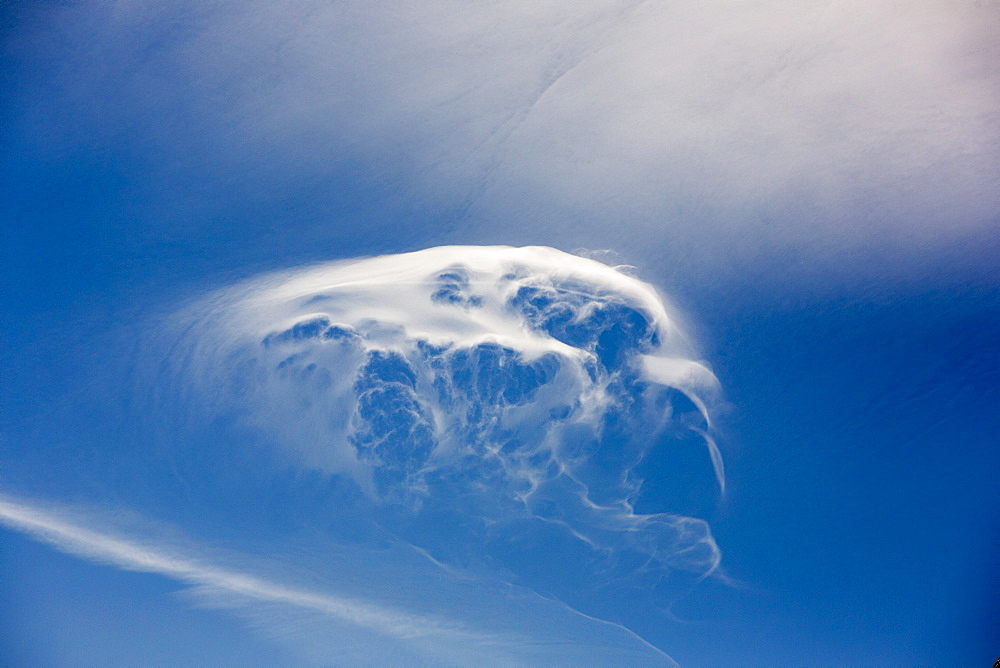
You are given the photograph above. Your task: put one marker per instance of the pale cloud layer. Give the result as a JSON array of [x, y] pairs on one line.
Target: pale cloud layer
[[727, 127]]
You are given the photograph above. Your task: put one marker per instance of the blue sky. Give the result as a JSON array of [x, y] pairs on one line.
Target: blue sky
[[812, 191]]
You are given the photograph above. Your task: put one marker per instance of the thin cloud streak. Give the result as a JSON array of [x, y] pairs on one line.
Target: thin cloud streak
[[123, 553], [545, 631]]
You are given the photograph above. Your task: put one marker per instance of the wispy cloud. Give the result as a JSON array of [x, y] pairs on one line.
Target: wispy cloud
[[321, 626], [135, 555]]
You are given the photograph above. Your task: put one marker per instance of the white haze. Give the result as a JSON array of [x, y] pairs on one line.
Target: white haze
[[733, 130]]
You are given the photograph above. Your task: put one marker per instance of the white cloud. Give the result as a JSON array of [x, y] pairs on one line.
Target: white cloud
[[497, 375]]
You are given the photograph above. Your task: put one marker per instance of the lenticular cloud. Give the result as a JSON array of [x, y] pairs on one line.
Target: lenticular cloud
[[490, 406]]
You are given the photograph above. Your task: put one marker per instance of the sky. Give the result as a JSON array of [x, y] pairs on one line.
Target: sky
[[462, 332]]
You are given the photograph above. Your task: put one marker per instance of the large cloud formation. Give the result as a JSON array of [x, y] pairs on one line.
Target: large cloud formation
[[488, 404]]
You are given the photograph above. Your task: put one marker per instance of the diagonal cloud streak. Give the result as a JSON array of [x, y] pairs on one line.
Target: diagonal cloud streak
[[136, 556], [550, 633]]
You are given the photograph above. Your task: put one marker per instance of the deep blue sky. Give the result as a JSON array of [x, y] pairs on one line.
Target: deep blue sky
[[836, 262]]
